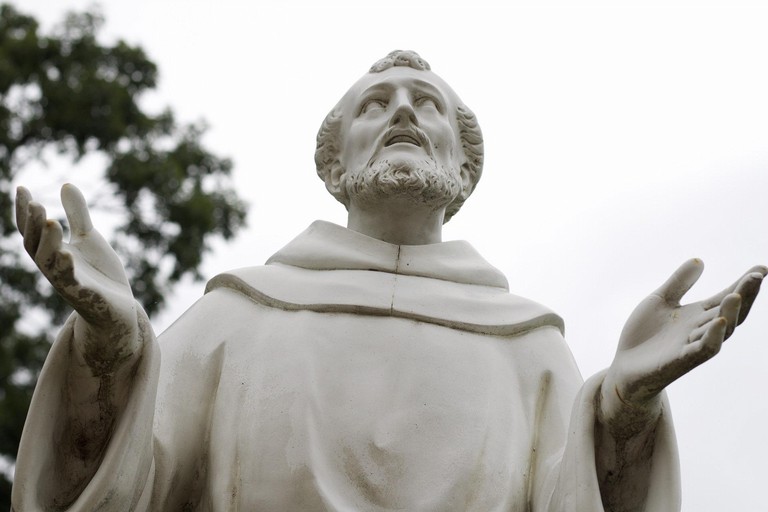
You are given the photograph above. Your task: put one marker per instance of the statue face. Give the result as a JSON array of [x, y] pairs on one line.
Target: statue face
[[398, 117]]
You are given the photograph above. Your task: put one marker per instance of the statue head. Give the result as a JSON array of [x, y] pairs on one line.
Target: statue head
[[401, 130]]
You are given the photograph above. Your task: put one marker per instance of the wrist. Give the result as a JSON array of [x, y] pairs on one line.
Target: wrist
[[105, 349], [624, 417]]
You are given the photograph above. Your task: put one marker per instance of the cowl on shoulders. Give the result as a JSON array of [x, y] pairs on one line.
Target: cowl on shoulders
[[328, 268]]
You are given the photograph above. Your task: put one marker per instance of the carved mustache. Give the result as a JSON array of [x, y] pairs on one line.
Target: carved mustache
[[411, 135]]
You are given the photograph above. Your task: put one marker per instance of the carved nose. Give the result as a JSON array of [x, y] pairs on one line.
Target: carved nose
[[404, 115]]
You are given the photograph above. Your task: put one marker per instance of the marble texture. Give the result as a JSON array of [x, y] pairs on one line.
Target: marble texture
[[373, 367]]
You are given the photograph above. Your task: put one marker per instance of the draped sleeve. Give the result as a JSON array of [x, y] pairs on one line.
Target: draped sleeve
[[123, 480]]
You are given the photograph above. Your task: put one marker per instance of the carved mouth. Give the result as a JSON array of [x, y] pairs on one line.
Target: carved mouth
[[406, 138]]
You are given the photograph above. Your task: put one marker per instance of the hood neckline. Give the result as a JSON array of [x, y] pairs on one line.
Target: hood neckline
[[328, 246]]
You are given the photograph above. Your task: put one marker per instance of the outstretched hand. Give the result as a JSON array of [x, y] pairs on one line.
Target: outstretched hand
[[86, 272], [663, 340]]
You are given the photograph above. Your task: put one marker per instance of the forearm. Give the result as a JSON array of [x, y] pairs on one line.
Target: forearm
[[625, 435], [97, 387], [78, 458]]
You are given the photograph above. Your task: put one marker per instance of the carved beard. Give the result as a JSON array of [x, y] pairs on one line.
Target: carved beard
[[420, 181]]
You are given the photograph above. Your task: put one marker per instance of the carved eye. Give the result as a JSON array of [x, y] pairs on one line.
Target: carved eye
[[373, 105], [426, 102]]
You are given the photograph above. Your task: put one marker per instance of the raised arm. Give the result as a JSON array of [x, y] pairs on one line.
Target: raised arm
[[662, 341], [105, 344]]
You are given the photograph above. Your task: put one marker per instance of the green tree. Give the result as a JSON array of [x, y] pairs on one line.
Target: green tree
[[68, 91]]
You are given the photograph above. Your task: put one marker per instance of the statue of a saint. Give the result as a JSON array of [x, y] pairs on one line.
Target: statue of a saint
[[367, 368]]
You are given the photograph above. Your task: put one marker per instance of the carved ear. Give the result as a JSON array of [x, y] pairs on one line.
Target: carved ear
[[333, 179], [466, 181]]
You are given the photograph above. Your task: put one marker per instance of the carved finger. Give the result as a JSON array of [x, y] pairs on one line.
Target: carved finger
[[708, 314], [64, 270], [698, 332], [23, 197], [50, 244], [681, 281], [706, 318], [729, 309], [716, 299], [705, 348], [33, 228], [748, 288], [76, 209]]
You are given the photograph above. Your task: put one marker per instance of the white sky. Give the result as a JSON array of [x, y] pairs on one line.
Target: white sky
[[619, 142]]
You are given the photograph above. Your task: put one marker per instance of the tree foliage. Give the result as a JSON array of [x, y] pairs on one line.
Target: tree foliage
[[66, 90]]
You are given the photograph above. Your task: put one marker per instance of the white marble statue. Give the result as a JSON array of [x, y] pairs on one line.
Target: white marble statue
[[367, 368]]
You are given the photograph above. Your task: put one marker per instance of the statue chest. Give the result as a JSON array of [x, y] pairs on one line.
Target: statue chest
[[339, 411]]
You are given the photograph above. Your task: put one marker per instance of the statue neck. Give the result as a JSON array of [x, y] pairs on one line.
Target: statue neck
[[399, 223]]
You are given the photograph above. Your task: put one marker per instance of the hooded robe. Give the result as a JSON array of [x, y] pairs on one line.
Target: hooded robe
[[348, 374]]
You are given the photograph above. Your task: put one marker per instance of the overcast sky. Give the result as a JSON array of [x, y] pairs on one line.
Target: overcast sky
[[619, 143]]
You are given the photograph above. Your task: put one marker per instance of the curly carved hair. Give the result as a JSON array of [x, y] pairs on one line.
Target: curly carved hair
[[470, 135]]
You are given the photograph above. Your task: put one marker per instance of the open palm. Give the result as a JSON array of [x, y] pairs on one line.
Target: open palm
[[663, 340], [86, 272]]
